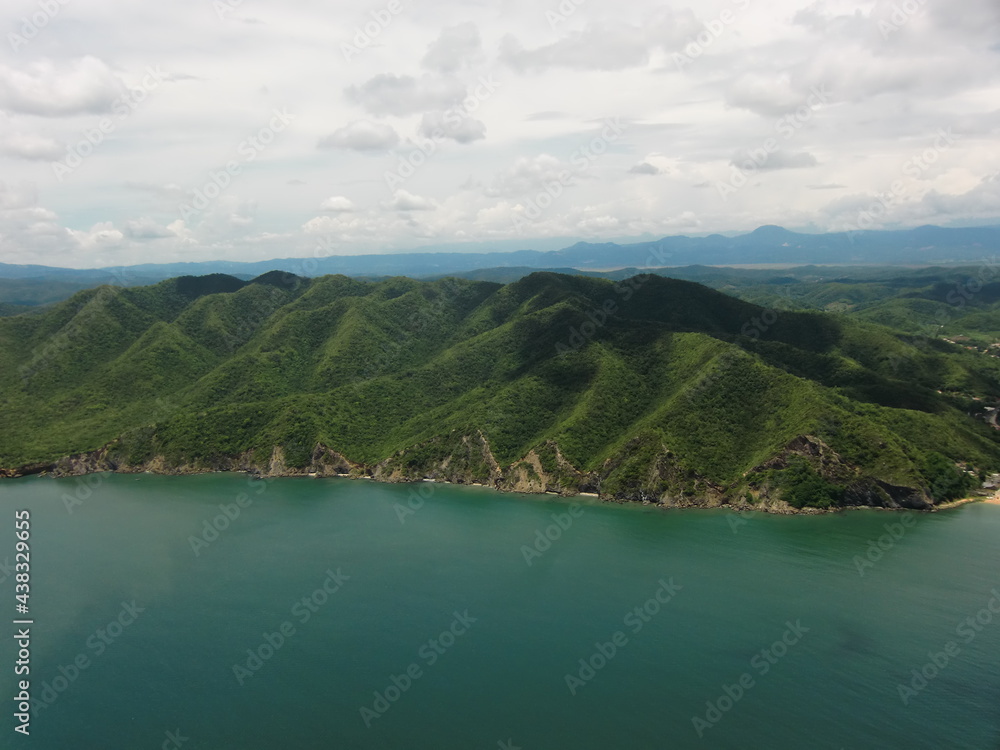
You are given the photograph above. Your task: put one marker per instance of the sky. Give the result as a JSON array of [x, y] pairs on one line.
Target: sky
[[251, 129]]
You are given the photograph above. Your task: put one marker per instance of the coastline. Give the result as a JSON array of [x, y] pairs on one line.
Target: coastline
[[993, 499], [771, 508]]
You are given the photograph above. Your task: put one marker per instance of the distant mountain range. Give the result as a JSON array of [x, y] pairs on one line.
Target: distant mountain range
[[769, 244]]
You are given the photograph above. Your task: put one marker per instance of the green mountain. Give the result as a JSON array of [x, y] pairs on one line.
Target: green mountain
[[649, 388]]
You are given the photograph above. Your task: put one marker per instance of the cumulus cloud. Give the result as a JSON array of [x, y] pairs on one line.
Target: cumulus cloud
[[337, 204], [765, 94], [529, 175], [55, 89], [405, 201], [453, 125], [931, 206], [605, 46], [889, 96], [389, 94], [101, 236], [362, 135], [146, 229], [457, 47]]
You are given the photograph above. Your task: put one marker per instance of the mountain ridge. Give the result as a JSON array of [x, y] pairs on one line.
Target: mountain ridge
[[648, 389]]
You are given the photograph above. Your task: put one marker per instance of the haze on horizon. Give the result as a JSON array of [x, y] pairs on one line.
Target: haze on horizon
[[246, 130]]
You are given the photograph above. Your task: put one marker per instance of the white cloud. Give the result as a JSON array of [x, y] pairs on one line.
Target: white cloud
[[362, 135], [56, 89], [458, 47], [337, 204], [462, 129], [405, 201], [409, 96], [388, 94], [529, 175], [610, 45], [102, 236], [146, 229]]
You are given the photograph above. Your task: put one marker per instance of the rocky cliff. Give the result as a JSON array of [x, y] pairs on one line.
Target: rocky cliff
[[637, 474]]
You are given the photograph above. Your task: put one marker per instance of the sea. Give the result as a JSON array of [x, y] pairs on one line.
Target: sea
[[222, 612]]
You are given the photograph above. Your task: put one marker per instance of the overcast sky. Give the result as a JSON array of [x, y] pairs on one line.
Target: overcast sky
[[135, 132]]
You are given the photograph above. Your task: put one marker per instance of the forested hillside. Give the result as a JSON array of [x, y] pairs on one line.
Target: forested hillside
[[648, 388]]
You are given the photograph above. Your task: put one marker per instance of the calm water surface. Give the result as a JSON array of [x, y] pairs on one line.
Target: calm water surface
[[325, 614]]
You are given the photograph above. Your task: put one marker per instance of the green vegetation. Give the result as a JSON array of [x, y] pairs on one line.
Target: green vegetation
[[803, 486], [680, 392]]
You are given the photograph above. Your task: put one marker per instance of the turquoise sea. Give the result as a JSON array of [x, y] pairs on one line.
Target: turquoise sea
[[219, 612]]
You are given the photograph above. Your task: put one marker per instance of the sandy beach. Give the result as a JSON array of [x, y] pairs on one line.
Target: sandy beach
[[993, 499]]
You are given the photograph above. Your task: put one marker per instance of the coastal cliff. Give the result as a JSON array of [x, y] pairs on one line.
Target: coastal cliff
[[654, 479]]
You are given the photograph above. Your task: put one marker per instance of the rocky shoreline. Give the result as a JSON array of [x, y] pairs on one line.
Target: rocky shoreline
[[468, 460]]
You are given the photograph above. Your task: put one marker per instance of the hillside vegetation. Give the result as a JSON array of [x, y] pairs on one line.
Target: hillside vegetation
[[649, 388]]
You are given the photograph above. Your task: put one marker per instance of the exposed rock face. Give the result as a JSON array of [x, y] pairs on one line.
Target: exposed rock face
[[460, 459], [545, 469], [643, 472]]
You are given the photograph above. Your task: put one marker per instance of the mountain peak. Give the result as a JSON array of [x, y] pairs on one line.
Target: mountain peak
[[770, 230]]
